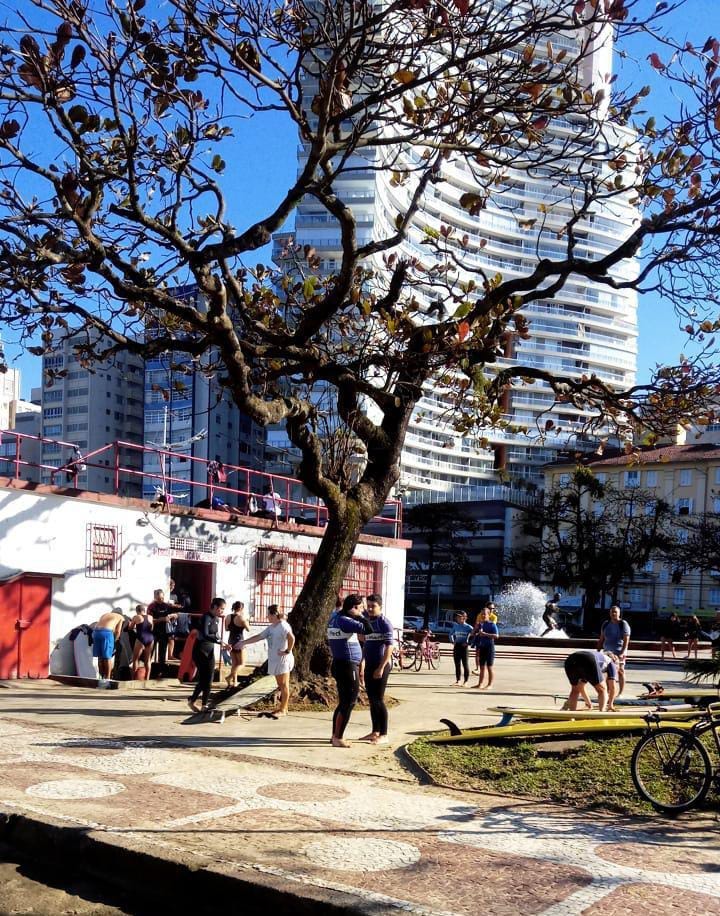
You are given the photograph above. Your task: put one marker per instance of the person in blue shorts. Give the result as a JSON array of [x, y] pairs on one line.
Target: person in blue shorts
[[486, 632], [344, 628], [106, 631], [377, 665]]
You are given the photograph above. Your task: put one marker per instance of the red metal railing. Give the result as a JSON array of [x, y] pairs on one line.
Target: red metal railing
[[248, 490]]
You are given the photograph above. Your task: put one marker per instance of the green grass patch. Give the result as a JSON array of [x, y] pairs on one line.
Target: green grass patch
[[595, 775]]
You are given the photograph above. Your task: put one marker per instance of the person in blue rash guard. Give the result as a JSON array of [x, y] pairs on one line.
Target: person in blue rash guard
[[344, 627], [486, 633], [459, 636], [377, 664]]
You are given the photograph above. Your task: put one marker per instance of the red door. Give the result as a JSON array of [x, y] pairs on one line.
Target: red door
[[25, 627]]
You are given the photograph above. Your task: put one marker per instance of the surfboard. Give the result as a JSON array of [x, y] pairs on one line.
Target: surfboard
[[520, 712], [548, 730], [689, 693], [233, 701], [187, 669], [85, 665]]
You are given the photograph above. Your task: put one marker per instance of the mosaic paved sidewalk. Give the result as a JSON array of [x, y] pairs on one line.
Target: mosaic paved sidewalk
[[387, 844]]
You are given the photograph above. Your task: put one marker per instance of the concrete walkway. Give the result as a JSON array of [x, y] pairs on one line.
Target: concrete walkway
[[271, 806]]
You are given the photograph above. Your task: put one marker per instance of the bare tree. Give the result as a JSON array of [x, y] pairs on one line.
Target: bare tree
[[116, 126]]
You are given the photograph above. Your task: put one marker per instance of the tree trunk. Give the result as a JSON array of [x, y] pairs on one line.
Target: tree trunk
[[316, 601]]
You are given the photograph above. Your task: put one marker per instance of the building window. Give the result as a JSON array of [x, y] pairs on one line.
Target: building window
[[684, 506], [714, 595], [77, 392], [281, 583], [564, 480], [601, 478], [686, 477], [650, 478], [717, 475], [632, 478], [102, 552], [679, 597], [54, 429], [79, 408], [55, 395], [682, 535], [53, 412]]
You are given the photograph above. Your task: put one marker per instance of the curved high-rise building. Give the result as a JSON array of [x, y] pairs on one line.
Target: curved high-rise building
[[584, 329]]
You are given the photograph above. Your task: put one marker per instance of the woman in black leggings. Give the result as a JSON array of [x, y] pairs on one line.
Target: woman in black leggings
[[344, 627], [377, 663], [203, 653]]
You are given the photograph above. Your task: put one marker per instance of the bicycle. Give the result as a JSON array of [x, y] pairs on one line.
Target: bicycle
[[671, 767], [427, 650], [404, 652]]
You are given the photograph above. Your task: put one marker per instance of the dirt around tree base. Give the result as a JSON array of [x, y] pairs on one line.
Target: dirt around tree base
[[316, 692]]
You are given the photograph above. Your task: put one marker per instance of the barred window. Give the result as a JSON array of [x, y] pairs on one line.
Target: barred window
[[103, 552]]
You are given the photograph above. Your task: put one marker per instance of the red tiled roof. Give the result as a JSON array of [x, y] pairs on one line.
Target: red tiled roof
[[662, 455]]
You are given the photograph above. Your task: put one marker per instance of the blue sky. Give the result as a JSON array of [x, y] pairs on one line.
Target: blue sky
[[264, 162]]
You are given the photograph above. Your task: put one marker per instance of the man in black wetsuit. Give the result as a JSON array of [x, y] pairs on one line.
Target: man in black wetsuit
[[204, 652], [551, 608], [161, 611]]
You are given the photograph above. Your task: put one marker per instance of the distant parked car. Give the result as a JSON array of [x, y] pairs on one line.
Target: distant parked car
[[441, 627], [413, 623]]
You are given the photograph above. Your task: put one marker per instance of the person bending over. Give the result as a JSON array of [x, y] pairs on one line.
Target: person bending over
[[107, 630], [591, 667]]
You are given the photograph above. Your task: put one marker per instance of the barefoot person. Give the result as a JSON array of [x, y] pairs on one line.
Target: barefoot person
[[377, 664], [236, 624], [459, 635], [281, 661], [343, 630], [203, 653], [107, 630], [591, 667], [142, 624], [615, 639], [486, 634]]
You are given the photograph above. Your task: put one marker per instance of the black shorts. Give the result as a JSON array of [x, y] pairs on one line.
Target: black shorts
[[486, 654], [580, 666]]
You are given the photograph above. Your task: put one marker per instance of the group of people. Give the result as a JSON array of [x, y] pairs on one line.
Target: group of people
[[482, 638], [674, 629]]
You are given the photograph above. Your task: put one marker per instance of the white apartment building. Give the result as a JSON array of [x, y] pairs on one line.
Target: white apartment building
[[189, 413], [9, 392], [88, 408], [582, 330]]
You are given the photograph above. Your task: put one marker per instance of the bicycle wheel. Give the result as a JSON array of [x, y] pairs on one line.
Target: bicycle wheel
[[419, 655], [433, 655], [407, 657], [671, 769]]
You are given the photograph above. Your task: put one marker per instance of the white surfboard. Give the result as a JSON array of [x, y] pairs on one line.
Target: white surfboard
[[85, 664]]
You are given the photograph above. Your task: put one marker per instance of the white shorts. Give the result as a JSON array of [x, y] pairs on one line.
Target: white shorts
[[281, 664]]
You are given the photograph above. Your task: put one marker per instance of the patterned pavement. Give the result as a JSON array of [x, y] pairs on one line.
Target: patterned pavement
[[388, 844]]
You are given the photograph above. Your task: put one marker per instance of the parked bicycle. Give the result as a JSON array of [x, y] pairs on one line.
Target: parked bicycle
[[415, 647], [404, 650], [427, 650], [671, 767]]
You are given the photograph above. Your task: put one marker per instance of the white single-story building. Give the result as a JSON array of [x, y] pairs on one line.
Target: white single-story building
[[67, 556]]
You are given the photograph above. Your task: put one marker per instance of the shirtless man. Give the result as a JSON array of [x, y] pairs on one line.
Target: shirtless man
[[106, 631]]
